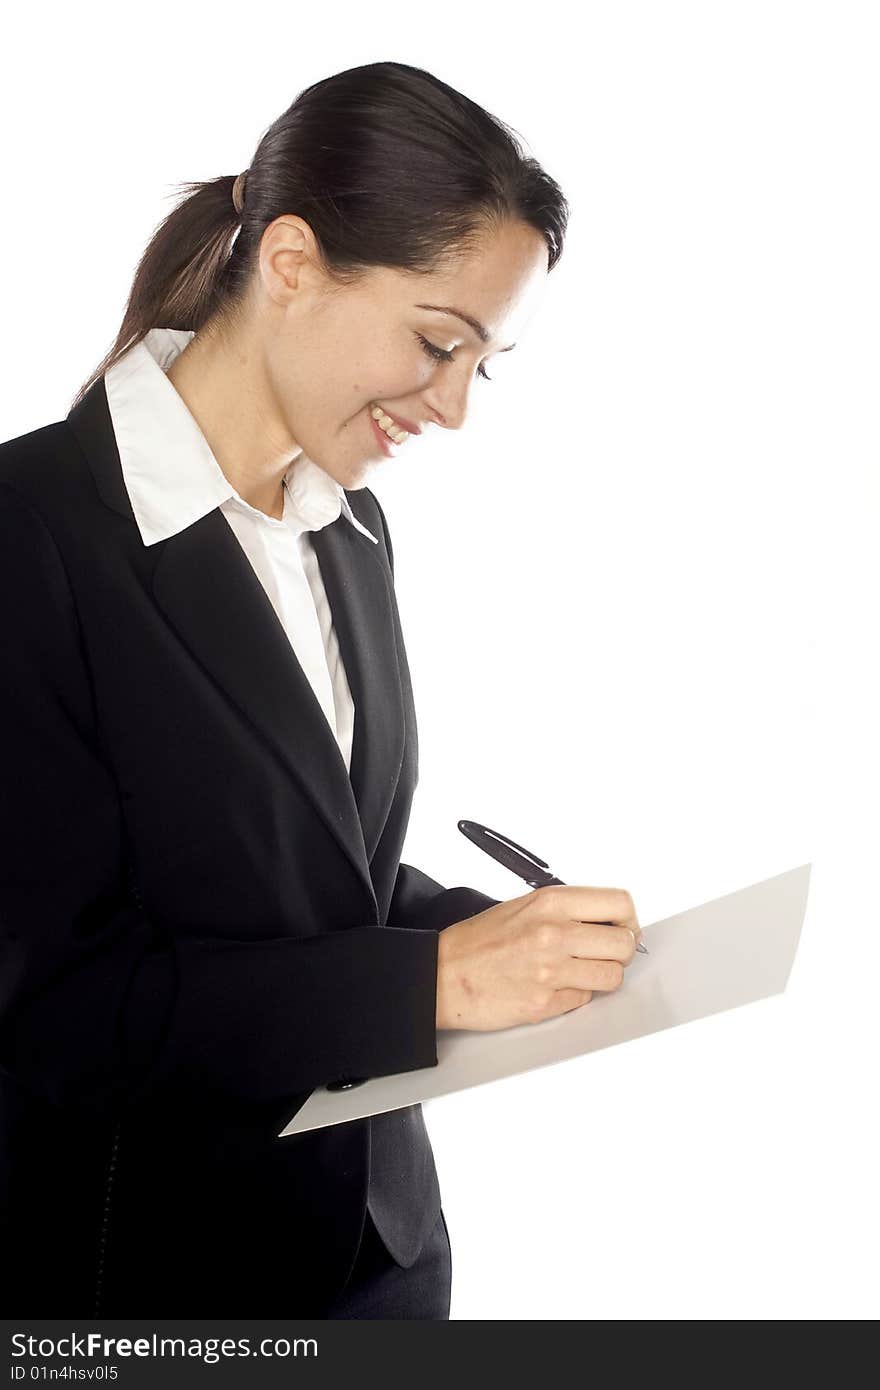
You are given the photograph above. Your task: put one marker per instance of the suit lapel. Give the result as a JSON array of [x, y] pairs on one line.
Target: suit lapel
[[359, 593], [207, 589]]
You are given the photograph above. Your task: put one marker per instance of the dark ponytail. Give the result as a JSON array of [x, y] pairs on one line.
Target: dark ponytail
[[388, 165]]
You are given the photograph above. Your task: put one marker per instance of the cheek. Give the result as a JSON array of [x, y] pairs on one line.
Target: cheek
[[385, 370], [387, 363], [359, 397]]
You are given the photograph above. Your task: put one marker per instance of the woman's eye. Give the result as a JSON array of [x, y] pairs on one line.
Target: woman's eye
[[441, 355]]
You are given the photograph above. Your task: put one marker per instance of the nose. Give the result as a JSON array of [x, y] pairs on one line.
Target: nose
[[448, 404]]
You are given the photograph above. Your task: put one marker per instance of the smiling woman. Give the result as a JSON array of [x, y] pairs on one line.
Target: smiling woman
[[199, 598], [316, 293]]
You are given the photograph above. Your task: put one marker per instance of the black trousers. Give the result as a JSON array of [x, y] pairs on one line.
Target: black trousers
[[378, 1287]]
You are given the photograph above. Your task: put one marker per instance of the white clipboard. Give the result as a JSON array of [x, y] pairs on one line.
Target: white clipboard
[[727, 952]]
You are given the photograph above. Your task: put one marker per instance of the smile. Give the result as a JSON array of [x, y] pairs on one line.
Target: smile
[[388, 426]]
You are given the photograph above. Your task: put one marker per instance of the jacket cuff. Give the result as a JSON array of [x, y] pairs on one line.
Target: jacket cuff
[[453, 905]]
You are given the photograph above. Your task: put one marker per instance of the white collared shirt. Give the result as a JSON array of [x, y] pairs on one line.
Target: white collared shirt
[[173, 479]]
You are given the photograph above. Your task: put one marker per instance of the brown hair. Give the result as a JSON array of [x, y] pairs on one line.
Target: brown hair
[[389, 165]]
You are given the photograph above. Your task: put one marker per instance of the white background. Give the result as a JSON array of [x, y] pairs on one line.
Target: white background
[[638, 588]]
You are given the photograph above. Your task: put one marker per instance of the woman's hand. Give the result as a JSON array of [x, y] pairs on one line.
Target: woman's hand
[[534, 957]]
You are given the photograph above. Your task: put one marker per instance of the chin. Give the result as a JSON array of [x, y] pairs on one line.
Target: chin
[[356, 475], [332, 472]]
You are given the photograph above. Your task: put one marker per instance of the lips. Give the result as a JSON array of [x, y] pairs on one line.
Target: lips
[[399, 420]]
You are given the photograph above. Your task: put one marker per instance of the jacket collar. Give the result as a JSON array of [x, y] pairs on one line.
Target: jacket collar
[[208, 591]]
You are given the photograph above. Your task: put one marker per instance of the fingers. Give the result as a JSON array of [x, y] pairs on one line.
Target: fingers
[[556, 938], [565, 902], [601, 942], [561, 904], [582, 978], [590, 974]]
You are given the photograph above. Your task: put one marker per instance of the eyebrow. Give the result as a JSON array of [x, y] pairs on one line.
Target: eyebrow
[[469, 319]]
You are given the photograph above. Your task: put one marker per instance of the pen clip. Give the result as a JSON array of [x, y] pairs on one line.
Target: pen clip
[[536, 872], [473, 829]]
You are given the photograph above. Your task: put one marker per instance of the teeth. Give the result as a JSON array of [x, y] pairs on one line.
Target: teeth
[[386, 423]]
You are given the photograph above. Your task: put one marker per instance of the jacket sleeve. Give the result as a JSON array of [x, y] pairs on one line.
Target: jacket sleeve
[[421, 902], [98, 1003], [418, 900]]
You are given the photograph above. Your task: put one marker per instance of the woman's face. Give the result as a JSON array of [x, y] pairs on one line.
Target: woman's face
[[331, 355]]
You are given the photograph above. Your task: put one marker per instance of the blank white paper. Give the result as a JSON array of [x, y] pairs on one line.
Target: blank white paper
[[727, 952]]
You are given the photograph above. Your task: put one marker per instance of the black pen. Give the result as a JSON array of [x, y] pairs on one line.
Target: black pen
[[520, 861]]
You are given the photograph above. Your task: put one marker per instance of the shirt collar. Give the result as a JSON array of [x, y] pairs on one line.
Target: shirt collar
[[170, 472]]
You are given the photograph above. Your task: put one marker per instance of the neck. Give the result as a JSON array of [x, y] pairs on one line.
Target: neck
[[222, 387]]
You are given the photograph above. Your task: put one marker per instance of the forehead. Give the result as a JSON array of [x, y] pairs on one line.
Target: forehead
[[498, 282]]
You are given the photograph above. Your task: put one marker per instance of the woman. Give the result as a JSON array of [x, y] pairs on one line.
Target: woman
[[211, 743]]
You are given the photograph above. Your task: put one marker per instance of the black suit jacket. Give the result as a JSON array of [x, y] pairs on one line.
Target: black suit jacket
[[203, 916]]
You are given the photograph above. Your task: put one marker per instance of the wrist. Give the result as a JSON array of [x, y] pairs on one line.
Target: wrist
[[446, 1016]]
